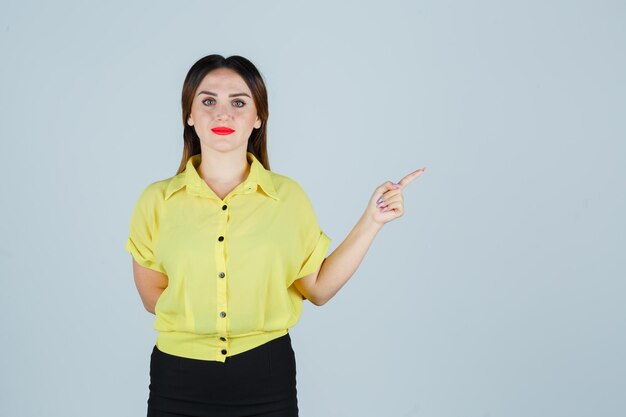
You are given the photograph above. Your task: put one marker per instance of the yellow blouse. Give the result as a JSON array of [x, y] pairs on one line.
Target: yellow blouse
[[230, 263]]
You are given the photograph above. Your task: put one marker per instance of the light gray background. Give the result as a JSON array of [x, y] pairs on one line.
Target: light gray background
[[501, 290]]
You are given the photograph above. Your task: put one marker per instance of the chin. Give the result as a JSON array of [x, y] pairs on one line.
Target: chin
[[223, 146]]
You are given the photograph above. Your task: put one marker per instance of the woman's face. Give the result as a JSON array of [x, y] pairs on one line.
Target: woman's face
[[223, 100]]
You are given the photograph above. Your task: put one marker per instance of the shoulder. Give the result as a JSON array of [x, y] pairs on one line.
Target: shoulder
[[293, 197], [287, 187], [155, 191]]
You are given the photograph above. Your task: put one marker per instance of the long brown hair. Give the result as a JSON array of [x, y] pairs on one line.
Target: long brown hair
[[257, 142]]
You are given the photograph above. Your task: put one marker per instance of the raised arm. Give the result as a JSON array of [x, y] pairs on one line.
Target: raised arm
[[385, 205]]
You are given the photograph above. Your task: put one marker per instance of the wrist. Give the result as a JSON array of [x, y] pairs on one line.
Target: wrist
[[369, 224]]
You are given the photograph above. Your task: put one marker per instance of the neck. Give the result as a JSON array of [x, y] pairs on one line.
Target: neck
[[224, 168]]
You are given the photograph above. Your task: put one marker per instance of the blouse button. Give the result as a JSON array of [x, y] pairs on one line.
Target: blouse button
[[224, 352], [223, 339], [224, 207], [222, 275], [223, 314], [221, 238]]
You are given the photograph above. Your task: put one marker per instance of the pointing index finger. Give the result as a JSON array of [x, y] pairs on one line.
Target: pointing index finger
[[407, 179]]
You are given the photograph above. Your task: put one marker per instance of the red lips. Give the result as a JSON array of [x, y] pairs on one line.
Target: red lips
[[222, 130]]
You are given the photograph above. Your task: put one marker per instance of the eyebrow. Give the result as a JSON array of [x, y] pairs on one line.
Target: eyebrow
[[230, 95]]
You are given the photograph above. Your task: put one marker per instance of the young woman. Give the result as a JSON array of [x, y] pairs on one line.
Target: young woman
[[225, 252]]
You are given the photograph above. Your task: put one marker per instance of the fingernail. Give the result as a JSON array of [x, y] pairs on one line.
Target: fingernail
[[397, 185]]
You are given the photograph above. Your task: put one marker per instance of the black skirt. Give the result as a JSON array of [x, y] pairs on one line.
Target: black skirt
[[258, 382]]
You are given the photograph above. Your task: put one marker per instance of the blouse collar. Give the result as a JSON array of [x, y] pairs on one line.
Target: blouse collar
[[190, 178]]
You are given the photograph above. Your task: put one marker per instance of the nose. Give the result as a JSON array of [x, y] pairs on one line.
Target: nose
[[223, 111]]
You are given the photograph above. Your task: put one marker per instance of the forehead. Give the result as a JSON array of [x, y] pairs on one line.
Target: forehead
[[225, 80]]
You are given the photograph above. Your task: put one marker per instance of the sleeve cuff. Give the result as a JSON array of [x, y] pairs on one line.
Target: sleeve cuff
[[141, 260], [315, 259]]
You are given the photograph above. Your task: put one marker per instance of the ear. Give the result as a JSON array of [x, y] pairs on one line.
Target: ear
[[257, 123], [190, 121]]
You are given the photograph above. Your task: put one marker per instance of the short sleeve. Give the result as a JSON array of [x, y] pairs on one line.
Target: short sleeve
[[144, 229], [315, 256], [313, 243]]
